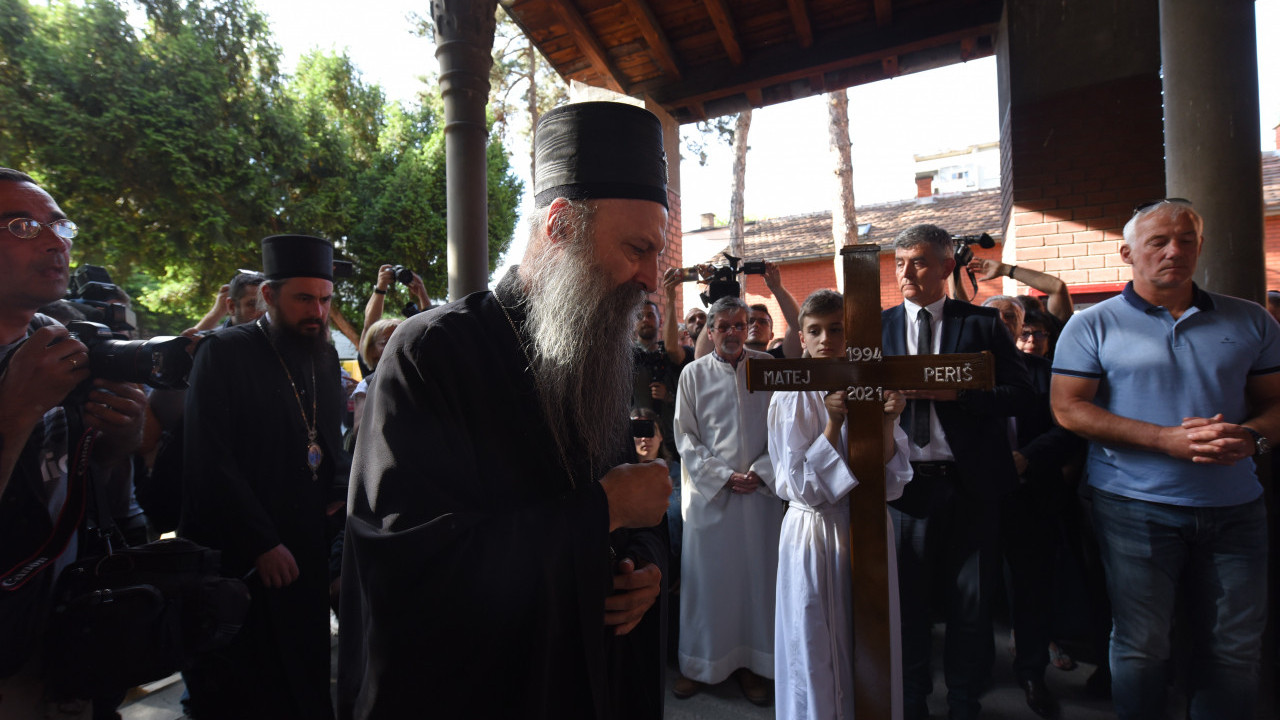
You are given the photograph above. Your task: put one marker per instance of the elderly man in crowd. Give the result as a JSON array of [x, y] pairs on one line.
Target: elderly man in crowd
[[729, 556], [1177, 391], [500, 555]]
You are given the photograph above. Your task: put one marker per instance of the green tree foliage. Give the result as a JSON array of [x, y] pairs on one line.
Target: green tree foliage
[[178, 145]]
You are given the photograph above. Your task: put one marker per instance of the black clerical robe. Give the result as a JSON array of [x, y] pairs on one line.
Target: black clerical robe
[[476, 564], [247, 489]]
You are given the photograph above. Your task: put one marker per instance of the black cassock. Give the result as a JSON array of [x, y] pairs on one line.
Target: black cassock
[[475, 573], [247, 489]]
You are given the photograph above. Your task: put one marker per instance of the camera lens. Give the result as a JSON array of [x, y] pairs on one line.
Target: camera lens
[[403, 274]]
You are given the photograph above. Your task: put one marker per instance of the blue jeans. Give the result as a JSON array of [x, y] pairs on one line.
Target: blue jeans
[[1217, 557]]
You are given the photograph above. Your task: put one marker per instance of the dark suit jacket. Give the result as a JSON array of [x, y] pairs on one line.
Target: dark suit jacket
[[1045, 445], [976, 425]]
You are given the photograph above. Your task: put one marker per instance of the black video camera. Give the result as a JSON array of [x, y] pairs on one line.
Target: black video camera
[[964, 254], [99, 299], [724, 278], [161, 362]]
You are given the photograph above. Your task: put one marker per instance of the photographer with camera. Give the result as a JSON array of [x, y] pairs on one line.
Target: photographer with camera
[[760, 320], [388, 276], [39, 433]]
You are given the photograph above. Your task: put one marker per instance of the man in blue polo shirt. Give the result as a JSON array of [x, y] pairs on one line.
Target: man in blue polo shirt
[[1177, 389]]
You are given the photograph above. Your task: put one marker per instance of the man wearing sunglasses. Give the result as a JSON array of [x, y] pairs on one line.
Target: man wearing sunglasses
[[41, 364], [1177, 391]]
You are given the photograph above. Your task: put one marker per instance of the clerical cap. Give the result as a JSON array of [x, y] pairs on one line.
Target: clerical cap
[[595, 150], [290, 256]]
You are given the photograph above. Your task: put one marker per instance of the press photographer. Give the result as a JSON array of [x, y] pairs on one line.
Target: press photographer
[[722, 281], [388, 276], [42, 478]]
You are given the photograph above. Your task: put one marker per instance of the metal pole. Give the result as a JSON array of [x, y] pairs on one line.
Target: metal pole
[[1212, 138], [464, 45]]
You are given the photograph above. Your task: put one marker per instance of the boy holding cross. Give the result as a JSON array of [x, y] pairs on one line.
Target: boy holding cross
[[808, 440]]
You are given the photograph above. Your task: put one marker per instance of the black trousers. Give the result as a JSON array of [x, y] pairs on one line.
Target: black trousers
[[948, 562]]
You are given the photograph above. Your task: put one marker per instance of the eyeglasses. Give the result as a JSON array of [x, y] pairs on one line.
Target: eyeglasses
[[26, 228], [736, 327], [1034, 334], [1140, 207]]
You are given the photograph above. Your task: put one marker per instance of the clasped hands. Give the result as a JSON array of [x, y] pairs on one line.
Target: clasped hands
[[1207, 441]]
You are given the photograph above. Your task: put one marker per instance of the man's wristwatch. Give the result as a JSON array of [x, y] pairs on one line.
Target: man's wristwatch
[[1261, 445]]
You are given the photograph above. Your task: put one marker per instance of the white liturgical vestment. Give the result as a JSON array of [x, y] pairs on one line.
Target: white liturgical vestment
[[813, 649], [729, 560]]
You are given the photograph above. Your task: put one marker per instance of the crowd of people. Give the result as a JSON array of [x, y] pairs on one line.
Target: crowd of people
[[534, 493]]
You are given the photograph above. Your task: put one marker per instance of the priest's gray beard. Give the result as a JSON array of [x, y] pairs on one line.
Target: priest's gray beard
[[582, 359]]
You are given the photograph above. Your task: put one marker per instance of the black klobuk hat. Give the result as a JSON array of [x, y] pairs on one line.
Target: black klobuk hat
[[290, 256], [595, 150]]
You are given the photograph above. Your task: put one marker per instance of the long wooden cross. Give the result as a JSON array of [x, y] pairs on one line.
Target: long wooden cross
[[866, 373]]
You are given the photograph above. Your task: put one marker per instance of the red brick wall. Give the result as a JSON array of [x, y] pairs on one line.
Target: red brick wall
[[1271, 243], [670, 257], [803, 278], [1078, 163]]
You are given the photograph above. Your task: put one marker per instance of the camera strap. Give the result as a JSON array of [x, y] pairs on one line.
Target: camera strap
[[69, 518]]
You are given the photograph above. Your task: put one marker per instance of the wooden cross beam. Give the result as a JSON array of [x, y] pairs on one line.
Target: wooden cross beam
[[866, 373]]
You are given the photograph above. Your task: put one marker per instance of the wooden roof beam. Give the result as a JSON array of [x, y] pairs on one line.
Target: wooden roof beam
[[590, 45], [755, 97], [800, 18], [968, 48], [698, 89], [659, 45], [719, 12], [890, 65], [884, 12]]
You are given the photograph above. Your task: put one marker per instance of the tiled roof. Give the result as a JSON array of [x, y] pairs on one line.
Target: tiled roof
[[798, 237], [1271, 182]]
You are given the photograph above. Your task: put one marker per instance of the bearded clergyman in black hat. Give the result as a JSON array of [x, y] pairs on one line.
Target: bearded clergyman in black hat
[[263, 460], [501, 555]]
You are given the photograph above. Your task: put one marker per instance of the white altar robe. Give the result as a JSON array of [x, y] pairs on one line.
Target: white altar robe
[[813, 677], [729, 558]]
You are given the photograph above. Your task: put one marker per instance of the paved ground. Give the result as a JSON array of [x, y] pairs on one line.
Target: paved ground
[[725, 701]]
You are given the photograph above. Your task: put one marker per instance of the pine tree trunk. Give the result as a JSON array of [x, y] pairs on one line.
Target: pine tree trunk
[[844, 219], [740, 130], [532, 96]]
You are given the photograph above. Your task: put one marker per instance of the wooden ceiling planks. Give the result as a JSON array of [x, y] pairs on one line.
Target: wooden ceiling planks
[[703, 58]]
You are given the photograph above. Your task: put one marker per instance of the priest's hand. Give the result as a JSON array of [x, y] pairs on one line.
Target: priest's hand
[[634, 593], [276, 567], [637, 494], [744, 483]]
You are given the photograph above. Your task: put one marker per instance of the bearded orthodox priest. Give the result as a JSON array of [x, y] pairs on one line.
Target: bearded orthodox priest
[[263, 460], [501, 556]]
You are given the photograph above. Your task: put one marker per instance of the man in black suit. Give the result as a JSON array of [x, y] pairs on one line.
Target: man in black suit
[[946, 524]]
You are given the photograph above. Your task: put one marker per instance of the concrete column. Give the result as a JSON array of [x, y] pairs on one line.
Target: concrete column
[[464, 46], [1212, 140]]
